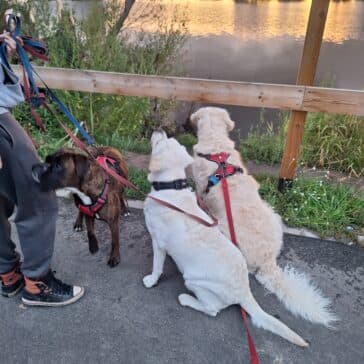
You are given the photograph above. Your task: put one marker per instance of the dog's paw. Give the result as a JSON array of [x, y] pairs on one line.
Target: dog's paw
[[150, 281], [77, 227], [93, 248], [184, 299], [113, 262]]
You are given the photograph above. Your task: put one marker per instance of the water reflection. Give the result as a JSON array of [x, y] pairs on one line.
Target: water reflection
[[262, 20], [257, 19]]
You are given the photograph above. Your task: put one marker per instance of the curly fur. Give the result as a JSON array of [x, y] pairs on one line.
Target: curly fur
[[258, 229]]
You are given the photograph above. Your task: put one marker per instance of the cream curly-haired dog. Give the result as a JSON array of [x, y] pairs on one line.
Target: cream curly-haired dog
[[212, 267], [258, 229]]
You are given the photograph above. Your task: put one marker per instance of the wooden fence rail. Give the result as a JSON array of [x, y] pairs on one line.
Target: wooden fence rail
[[293, 97]]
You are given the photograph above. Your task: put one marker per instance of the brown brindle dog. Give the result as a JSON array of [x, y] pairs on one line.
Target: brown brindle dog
[[69, 169]]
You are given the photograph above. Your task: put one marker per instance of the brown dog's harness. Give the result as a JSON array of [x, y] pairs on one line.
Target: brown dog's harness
[[92, 210]]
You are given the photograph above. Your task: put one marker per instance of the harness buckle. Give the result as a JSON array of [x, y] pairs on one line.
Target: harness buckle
[[178, 184], [213, 180]]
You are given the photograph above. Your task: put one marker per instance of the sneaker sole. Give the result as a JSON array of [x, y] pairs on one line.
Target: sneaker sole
[[14, 293], [53, 304]]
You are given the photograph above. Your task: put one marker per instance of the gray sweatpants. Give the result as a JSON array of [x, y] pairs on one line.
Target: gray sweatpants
[[36, 212]]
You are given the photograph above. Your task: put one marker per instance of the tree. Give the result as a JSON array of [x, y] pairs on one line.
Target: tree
[[123, 16]]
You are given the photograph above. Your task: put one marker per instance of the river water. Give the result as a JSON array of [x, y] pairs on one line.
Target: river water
[[262, 41]]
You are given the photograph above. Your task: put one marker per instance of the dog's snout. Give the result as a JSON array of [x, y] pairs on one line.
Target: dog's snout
[[157, 136], [38, 170]]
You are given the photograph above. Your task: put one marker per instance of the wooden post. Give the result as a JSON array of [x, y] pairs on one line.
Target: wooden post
[[306, 76]]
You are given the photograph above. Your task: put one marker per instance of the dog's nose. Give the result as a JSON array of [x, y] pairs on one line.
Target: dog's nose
[[38, 170]]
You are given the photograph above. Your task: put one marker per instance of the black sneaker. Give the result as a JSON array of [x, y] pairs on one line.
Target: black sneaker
[[12, 282], [50, 291]]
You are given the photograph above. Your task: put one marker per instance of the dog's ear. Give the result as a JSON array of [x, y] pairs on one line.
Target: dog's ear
[[81, 165], [155, 164], [157, 136], [194, 119], [229, 123]]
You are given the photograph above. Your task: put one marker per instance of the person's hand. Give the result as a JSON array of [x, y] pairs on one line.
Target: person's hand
[[10, 42]]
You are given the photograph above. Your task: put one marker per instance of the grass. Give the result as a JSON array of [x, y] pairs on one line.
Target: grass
[[330, 141], [128, 144], [264, 144], [330, 210], [142, 145], [139, 178], [327, 209], [335, 142]]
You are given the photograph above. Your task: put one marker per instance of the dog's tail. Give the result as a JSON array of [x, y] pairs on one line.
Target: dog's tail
[[298, 294], [261, 319]]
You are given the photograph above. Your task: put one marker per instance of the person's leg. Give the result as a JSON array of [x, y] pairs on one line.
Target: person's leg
[[35, 221], [8, 256], [10, 276], [36, 211]]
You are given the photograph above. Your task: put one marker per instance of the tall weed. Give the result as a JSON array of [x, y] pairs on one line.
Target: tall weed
[[334, 141], [330, 141]]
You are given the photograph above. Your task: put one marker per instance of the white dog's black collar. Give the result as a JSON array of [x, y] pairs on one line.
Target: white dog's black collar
[[178, 184]]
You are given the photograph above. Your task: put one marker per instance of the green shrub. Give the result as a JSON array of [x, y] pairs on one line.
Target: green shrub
[[89, 44], [188, 140]]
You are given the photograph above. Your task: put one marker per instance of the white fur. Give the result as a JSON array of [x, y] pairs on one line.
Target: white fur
[[258, 229], [212, 267], [65, 192]]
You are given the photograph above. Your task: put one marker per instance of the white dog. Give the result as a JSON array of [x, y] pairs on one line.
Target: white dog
[[212, 267], [258, 229]]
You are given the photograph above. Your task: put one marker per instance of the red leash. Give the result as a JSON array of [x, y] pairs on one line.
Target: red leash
[[229, 215], [225, 189], [225, 170]]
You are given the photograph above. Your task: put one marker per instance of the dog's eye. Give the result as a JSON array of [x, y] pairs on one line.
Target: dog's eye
[[57, 166]]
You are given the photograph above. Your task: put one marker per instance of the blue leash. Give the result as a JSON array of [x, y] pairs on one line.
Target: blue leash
[[39, 50]]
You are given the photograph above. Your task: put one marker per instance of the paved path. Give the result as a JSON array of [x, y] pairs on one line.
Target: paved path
[[119, 321]]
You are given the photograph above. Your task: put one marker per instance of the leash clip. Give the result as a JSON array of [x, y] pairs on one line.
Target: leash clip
[[11, 22]]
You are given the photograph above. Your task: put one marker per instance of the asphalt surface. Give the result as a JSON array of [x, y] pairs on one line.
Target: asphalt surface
[[120, 321]]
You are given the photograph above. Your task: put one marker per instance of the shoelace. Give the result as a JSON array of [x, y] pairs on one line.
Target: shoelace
[[57, 286]]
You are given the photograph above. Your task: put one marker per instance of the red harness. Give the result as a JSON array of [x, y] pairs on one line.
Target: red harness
[[223, 171], [92, 210]]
